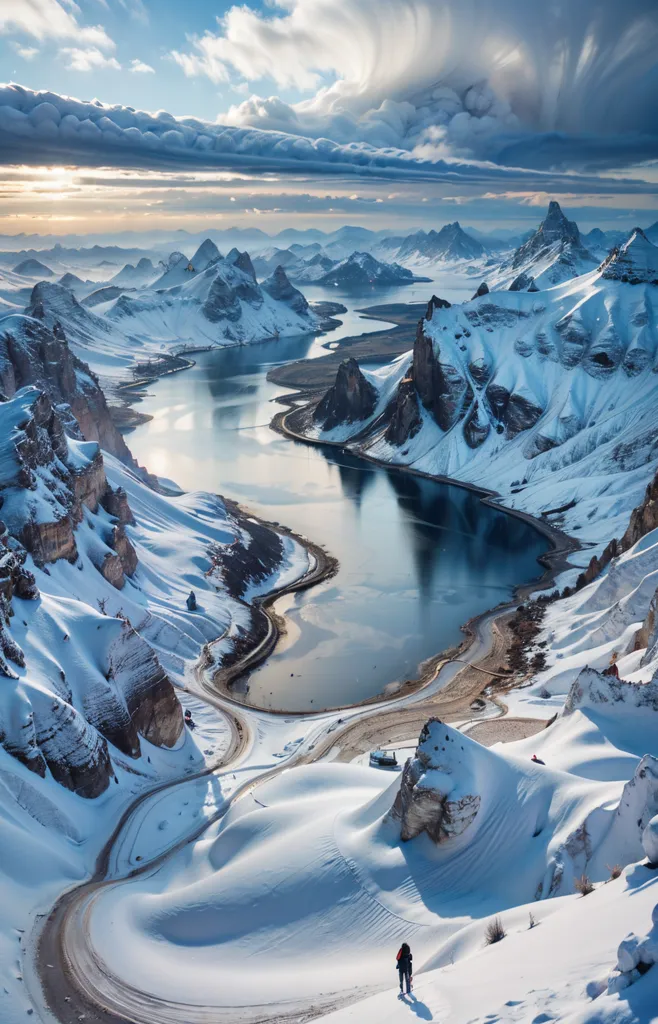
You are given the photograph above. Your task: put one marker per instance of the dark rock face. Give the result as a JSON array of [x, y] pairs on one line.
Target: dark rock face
[[523, 283], [515, 412], [405, 421], [476, 427], [280, 288], [352, 398], [442, 388], [222, 302], [436, 303], [483, 289]]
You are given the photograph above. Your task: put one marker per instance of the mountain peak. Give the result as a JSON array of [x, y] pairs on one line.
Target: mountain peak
[[557, 228], [634, 262], [206, 254]]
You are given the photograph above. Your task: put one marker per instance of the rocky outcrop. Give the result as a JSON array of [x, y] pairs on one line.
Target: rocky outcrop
[[513, 411], [592, 689], [280, 289], [442, 387], [34, 351], [43, 489], [483, 289], [476, 427], [149, 697], [351, 399], [405, 418], [523, 283], [437, 792]]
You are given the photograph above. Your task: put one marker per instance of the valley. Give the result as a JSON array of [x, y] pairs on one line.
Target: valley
[[449, 534]]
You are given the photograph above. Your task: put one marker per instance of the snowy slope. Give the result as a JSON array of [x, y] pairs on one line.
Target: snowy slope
[[547, 398], [313, 871], [95, 635]]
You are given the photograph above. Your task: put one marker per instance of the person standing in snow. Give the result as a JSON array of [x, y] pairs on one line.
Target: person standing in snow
[[403, 962]]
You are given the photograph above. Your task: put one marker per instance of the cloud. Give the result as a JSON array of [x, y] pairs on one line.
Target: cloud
[[26, 52], [44, 127], [90, 59], [49, 19], [404, 73], [140, 68]]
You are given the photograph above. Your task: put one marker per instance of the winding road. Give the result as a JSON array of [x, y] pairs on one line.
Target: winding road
[[70, 983]]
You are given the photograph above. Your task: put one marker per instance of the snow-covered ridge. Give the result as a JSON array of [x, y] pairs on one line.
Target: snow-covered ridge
[[546, 397]]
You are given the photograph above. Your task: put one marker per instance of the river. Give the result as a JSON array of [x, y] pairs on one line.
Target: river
[[417, 558]]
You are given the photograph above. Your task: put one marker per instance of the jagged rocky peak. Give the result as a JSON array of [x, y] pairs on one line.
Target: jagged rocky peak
[[205, 256], [242, 260], [634, 262], [280, 289], [556, 234], [438, 791], [556, 227], [483, 289], [350, 399]]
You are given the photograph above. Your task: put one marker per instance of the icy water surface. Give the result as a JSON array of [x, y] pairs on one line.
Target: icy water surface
[[417, 558]]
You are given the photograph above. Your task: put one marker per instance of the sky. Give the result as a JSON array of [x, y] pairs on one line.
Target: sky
[[151, 115]]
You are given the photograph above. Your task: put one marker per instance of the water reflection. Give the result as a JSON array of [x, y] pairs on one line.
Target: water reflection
[[417, 558]]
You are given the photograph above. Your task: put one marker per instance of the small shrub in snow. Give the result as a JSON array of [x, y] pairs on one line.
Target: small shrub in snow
[[532, 921], [495, 932], [615, 871], [584, 885]]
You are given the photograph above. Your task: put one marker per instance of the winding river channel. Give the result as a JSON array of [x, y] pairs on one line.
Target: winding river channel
[[417, 558]]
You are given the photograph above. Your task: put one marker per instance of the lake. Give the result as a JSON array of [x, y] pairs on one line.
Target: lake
[[417, 558]]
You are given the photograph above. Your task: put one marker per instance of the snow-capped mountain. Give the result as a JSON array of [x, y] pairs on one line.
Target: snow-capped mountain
[[130, 276], [450, 244], [363, 270], [204, 301], [546, 397], [552, 255], [33, 268]]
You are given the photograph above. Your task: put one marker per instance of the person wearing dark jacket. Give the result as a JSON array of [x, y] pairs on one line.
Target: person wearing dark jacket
[[403, 963]]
